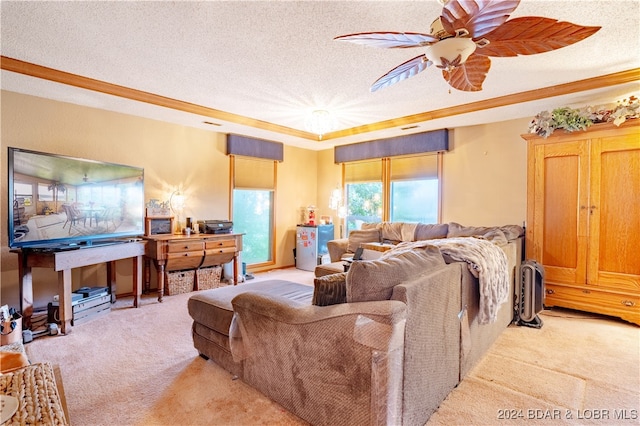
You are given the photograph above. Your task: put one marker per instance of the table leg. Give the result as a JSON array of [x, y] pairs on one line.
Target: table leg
[[64, 293], [235, 269], [26, 290], [160, 278], [111, 279], [137, 280], [147, 275]]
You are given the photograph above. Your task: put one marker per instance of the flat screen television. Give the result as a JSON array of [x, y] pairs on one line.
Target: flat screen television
[[57, 201]]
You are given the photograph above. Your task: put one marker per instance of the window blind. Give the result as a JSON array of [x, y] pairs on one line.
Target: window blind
[[253, 173], [363, 171], [412, 168]]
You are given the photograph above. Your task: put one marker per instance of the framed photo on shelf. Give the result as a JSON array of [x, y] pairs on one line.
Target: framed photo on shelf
[[158, 225]]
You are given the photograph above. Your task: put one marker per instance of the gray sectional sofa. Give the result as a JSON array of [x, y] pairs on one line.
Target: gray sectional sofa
[[383, 343]]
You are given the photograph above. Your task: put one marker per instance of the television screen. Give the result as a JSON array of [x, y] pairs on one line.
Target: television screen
[[58, 201]]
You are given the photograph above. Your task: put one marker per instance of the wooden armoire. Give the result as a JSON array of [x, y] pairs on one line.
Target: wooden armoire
[[583, 217]]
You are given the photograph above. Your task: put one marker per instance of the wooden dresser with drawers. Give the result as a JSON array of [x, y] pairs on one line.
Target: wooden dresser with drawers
[[171, 252]]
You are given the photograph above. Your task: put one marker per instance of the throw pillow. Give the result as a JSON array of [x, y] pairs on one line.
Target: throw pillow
[[330, 289], [431, 231], [493, 233], [457, 230], [374, 279], [370, 225], [357, 237], [511, 232]]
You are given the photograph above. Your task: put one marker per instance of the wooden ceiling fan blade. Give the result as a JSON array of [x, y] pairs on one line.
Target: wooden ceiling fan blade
[[402, 72], [479, 17], [389, 39], [531, 34], [469, 76]]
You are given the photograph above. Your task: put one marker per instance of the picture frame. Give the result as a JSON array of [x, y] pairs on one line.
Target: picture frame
[[158, 225]]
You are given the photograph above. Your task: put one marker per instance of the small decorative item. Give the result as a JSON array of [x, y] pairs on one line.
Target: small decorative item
[[311, 215], [158, 225], [569, 119], [156, 208]]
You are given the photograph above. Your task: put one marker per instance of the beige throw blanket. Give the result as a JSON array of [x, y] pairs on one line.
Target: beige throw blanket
[[485, 260], [488, 263]]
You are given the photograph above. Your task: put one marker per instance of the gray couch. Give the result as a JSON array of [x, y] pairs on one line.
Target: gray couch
[[388, 234], [391, 360]]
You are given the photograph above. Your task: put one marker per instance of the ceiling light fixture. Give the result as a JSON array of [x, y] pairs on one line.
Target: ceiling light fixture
[[320, 122]]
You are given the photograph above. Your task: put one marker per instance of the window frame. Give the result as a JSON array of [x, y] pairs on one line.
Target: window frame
[[272, 231], [386, 184]]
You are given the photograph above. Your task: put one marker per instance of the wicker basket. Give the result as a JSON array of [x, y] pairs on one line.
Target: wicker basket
[[178, 282], [208, 278]]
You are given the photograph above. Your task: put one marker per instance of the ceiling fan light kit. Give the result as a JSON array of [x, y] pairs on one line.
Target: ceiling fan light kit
[[464, 26], [451, 52]]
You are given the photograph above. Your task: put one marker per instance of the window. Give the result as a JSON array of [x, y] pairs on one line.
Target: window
[[398, 189], [22, 189], [364, 199], [414, 189], [253, 207], [44, 193]]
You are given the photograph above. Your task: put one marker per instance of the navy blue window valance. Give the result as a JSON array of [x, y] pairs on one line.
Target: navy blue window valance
[[418, 143], [252, 147]]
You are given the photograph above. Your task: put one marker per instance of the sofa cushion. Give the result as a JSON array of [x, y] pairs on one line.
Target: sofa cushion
[[426, 231], [457, 230], [396, 232], [371, 280], [491, 233], [512, 231], [330, 289], [359, 236], [329, 268], [213, 309]]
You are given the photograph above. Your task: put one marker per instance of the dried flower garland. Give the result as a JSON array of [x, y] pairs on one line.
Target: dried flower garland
[[569, 119]]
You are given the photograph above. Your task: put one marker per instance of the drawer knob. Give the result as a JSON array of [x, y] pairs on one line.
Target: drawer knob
[[628, 303], [221, 251], [550, 291], [220, 244]]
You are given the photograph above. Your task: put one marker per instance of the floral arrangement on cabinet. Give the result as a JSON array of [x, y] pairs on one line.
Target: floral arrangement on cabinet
[[569, 119]]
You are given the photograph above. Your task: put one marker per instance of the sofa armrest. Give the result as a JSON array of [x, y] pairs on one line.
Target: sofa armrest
[[433, 339], [337, 248], [338, 364]]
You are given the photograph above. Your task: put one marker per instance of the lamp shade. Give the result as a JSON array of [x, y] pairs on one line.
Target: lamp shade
[[444, 54]]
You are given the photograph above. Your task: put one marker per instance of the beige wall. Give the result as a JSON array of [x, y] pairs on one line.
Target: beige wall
[[173, 156], [485, 175]]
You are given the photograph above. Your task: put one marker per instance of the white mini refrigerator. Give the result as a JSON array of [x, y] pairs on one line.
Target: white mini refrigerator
[[311, 245]]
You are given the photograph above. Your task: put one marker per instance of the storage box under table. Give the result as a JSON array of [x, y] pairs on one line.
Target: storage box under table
[[179, 282], [208, 278]]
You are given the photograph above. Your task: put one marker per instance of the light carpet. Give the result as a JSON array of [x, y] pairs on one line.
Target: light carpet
[[139, 367]]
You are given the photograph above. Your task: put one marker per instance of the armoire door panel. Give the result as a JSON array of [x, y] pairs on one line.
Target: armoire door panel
[[615, 213], [560, 206], [561, 200]]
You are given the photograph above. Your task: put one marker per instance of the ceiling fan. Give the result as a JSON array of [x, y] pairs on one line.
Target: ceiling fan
[[464, 37]]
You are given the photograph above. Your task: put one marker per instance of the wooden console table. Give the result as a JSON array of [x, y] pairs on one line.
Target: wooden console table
[[63, 262], [174, 252]]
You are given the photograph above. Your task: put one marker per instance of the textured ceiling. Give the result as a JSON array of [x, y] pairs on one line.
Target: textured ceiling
[[274, 61]]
